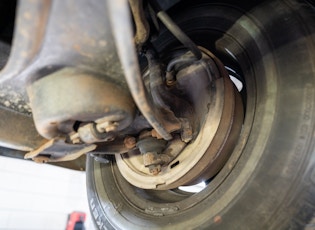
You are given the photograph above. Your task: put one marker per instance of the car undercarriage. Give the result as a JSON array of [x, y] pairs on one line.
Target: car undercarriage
[[155, 96]]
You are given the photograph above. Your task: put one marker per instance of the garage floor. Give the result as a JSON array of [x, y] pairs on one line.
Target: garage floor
[[38, 196]]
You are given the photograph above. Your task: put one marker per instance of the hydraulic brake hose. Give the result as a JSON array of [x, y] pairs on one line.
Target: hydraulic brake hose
[[121, 26]]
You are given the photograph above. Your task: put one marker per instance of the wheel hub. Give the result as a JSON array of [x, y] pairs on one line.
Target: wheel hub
[[218, 120]]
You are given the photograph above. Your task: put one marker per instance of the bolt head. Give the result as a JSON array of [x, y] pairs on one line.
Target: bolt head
[[130, 142], [75, 138], [107, 126], [111, 128], [155, 169]]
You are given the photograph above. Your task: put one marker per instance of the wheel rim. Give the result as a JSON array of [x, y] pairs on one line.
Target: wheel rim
[[141, 199]]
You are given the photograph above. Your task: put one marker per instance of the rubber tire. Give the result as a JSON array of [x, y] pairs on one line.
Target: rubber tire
[[271, 183]]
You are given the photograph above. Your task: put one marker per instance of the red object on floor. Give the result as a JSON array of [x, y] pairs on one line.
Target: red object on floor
[[75, 217]]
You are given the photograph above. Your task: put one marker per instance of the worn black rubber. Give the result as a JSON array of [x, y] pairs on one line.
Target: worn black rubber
[[269, 180]]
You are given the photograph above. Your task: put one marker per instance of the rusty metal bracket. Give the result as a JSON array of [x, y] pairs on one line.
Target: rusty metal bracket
[[70, 152], [69, 157]]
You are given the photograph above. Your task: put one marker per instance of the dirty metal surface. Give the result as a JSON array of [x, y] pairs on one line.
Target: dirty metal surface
[[123, 34], [65, 53], [141, 23], [12, 98], [31, 21], [51, 34], [69, 95], [57, 146], [18, 136], [18, 131], [78, 164], [220, 113], [79, 34]]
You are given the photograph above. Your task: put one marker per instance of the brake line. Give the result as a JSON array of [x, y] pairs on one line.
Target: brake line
[[121, 26], [175, 30]]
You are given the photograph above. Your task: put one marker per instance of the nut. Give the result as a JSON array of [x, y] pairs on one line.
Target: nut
[[130, 142], [149, 159], [186, 132], [107, 126], [111, 127], [75, 138], [155, 169]]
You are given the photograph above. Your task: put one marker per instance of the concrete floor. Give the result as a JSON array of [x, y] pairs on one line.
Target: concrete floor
[[38, 196]]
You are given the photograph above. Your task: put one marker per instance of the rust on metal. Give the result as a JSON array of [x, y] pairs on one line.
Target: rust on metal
[[74, 138], [218, 118], [142, 25], [90, 134], [31, 22], [96, 99], [151, 158], [36, 152], [130, 142], [121, 25], [72, 152], [18, 131], [227, 134], [107, 126], [68, 157], [155, 169]]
